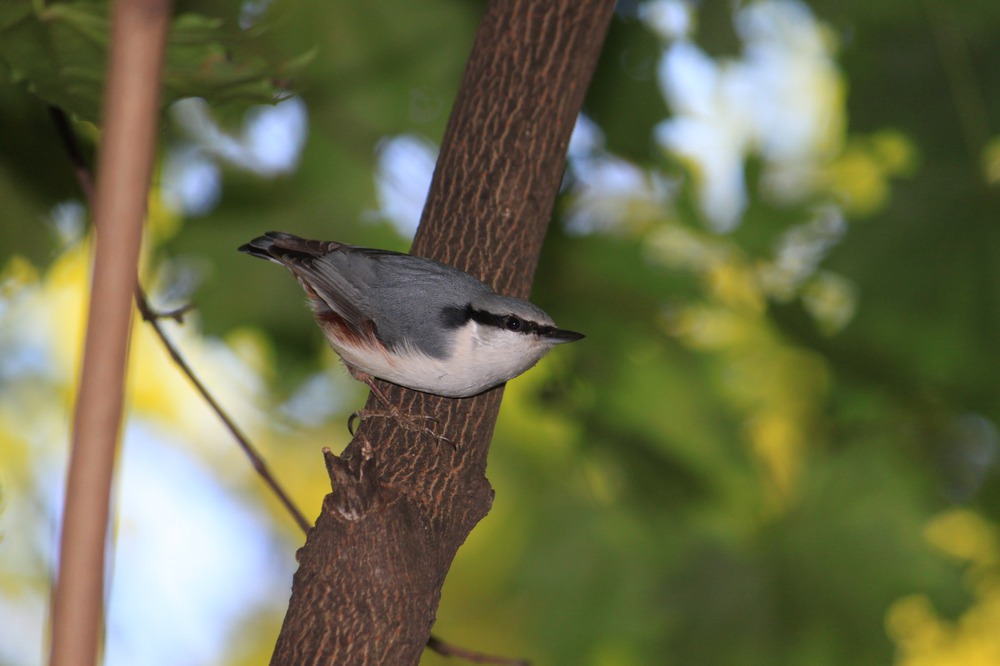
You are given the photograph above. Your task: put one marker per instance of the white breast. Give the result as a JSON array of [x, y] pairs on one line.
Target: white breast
[[481, 358]]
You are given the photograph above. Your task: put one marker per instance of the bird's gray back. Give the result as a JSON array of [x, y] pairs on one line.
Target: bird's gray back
[[409, 296]]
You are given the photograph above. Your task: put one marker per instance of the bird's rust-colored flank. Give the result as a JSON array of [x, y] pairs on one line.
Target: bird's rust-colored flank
[[336, 327]]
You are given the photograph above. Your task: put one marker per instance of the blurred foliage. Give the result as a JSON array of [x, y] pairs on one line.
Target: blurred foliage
[[58, 52], [777, 445]]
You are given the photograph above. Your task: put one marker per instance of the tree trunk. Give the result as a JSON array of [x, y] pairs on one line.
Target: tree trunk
[[125, 161], [371, 571]]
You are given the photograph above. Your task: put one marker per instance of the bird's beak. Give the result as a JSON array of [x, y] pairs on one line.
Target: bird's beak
[[561, 335]]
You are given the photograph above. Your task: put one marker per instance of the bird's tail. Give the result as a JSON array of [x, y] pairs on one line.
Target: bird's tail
[[281, 247]]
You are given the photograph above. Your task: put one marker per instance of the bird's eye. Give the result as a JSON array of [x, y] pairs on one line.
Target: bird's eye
[[513, 323]]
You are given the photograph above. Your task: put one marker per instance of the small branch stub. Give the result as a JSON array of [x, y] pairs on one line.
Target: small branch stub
[[354, 486]]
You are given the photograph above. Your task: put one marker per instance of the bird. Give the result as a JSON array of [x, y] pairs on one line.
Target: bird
[[412, 321]]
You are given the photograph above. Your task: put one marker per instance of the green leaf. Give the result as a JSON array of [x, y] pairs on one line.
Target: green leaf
[[58, 52]]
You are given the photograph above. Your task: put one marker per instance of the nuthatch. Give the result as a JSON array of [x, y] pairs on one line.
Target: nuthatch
[[413, 321]]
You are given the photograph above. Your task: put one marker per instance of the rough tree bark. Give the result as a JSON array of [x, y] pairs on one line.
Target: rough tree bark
[[371, 571]]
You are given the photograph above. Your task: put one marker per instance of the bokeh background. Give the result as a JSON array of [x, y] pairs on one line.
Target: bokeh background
[[779, 229]]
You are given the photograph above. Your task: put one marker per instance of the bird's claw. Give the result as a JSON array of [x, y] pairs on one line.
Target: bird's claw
[[408, 422]]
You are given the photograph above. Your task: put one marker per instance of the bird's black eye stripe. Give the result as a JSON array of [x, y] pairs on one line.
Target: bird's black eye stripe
[[456, 317], [486, 318], [453, 317]]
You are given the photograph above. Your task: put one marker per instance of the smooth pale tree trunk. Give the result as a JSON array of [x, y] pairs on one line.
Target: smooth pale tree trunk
[[125, 162]]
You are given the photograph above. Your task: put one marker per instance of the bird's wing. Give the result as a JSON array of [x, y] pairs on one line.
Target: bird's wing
[[395, 298], [336, 277]]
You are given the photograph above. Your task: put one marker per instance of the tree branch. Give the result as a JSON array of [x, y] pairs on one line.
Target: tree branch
[[371, 571], [131, 110], [152, 317]]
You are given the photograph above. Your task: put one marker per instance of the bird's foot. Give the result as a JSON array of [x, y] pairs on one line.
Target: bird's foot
[[409, 422]]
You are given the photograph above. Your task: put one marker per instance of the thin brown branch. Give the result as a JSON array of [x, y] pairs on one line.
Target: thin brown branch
[[176, 314], [153, 318], [131, 110], [448, 650], [76, 158], [256, 460]]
